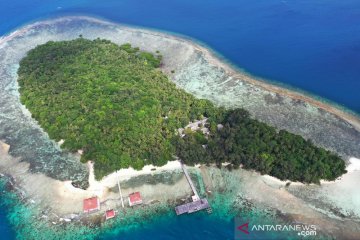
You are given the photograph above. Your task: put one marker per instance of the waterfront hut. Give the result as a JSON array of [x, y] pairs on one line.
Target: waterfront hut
[[135, 199], [91, 205], [110, 214]]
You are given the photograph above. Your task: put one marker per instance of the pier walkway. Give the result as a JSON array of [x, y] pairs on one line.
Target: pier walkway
[[190, 181], [197, 204]]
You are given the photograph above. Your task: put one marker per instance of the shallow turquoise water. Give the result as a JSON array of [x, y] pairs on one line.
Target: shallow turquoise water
[[135, 224], [307, 44], [153, 222]]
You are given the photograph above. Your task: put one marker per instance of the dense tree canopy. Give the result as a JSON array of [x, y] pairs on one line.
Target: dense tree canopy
[[114, 103], [255, 145], [111, 101]]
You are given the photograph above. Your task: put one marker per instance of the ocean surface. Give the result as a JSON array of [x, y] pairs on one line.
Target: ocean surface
[[310, 45]]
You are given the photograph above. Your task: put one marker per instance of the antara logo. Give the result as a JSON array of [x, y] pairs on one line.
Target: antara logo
[[244, 228]]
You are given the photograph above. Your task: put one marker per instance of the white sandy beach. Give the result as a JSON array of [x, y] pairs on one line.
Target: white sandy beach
[[64, 199], [354, 165]]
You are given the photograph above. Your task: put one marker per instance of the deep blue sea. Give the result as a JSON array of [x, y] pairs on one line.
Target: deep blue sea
[[305, 44]]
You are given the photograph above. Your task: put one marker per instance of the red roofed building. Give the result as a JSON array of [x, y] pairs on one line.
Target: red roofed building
[[109, 214], [91, 204], [135, 199]]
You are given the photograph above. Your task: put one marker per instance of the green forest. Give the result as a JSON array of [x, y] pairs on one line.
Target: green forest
[[115, 104], [244, 141]]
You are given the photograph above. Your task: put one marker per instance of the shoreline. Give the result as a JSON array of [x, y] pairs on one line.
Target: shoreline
[[66, 201], [234, 71], [208, 54], [240, 186], [65, 197], [218, 60]]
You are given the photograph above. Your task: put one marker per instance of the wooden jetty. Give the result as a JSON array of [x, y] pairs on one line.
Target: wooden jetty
[[197, 204], [192, 206], [196, 195]]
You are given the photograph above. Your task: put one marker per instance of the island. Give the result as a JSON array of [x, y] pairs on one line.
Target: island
[[225, 141], [117, 107]]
